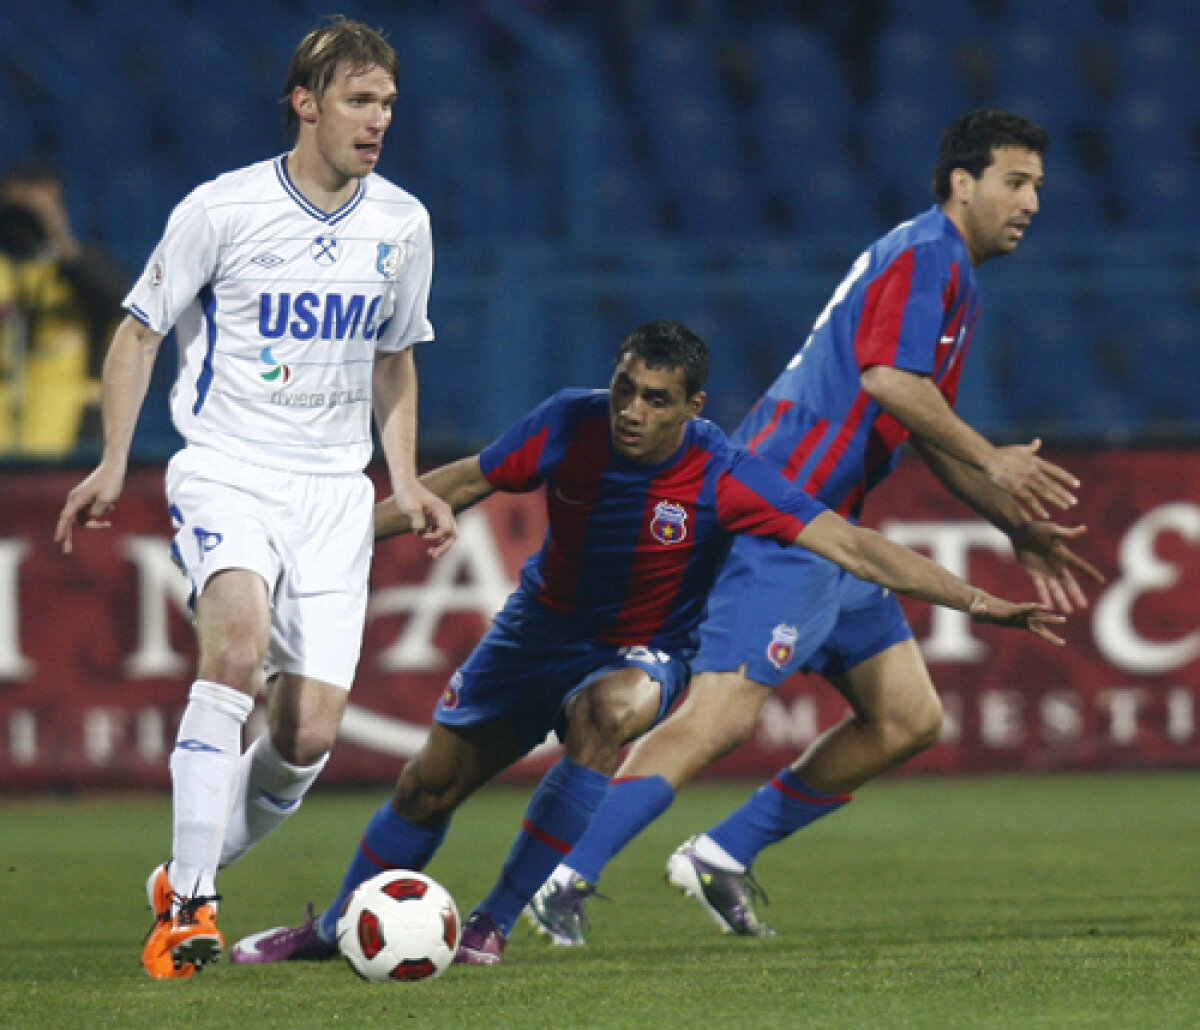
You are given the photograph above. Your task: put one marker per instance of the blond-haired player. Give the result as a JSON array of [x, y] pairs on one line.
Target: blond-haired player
[[297, 287]]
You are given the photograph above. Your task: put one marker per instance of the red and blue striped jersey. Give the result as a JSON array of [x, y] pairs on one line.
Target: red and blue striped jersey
[[632, 549], [910, 301]]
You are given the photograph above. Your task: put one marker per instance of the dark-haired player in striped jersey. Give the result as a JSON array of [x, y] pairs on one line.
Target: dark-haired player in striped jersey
[[643, 499], [881, 366]]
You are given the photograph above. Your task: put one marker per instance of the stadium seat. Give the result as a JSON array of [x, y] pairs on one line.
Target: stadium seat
[[794, 65], [1053, 372], [692, 134], [1035, 63], [902, 135], [912, 66], [951, 22], [1074, 20], [1154, 164]]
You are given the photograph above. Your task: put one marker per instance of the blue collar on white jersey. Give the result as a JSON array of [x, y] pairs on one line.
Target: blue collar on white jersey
[[329, 217]]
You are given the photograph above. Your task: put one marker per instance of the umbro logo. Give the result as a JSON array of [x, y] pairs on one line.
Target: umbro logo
[[268, 260]]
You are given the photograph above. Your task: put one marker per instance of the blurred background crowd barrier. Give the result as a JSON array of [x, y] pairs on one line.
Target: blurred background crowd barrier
[[592, 164]]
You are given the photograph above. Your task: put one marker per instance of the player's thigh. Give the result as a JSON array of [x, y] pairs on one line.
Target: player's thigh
[[771, 609], [718, 713], [893, 687], [233, 623]]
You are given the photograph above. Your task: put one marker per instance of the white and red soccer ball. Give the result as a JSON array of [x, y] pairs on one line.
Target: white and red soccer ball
[[399, 925]]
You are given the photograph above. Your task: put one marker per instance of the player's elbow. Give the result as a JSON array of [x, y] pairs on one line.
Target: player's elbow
[[889, 387]]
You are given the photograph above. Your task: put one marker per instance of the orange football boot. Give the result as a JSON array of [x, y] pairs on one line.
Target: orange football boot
[[184, 937]]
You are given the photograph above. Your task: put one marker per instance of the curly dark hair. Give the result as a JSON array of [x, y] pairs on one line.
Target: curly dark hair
[[970, 140], [667, 344]]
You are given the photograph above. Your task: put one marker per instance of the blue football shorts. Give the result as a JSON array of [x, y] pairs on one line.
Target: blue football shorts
[[778, 609], [532, 661]]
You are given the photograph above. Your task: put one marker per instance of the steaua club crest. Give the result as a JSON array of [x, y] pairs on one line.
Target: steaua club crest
[[449, 698], [669, 525], [782, 645]]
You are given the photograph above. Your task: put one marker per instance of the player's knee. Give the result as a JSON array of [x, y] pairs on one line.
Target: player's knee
[[919, 726], [614, 720], [236, 663], [303, 745], [423, 803]]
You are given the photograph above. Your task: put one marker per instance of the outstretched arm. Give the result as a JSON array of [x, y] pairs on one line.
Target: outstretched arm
[[871, 556], [921, 408], [126, 378], [460, 484], [1041, 547]]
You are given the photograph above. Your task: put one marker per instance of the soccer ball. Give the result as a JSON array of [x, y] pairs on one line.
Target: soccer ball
[[399, 925]]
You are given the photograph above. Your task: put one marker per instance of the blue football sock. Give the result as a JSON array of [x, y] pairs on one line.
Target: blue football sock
[[390, 842], [775, 811], [629, 806], [558, 813]]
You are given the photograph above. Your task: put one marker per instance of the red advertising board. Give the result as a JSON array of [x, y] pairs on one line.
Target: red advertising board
[[96, 649]]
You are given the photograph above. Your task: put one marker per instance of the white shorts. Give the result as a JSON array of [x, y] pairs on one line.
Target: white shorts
[[308, 536]]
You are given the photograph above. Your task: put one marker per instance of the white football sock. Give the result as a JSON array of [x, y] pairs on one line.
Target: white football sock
[[563, 875], [203, 765], [712, 853], [266, 794]]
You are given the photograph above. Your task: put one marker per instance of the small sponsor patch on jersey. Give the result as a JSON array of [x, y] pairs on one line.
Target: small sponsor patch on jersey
[[387, 260], [782, 645], [275, 371], [324, 250], [669, 525], [157, 275]]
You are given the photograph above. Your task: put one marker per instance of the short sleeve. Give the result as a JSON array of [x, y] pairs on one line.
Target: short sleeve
[[409, 321], [184, 261]]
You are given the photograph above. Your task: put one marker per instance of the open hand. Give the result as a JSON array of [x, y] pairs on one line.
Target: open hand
[[1041, 548], [1033, 616], [1033, 481]]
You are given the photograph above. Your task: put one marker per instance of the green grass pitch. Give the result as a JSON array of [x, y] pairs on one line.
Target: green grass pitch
[[1059, 901]]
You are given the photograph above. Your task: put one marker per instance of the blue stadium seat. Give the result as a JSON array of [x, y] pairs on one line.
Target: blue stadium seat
[[17, 126], [1069, 21], [1158, 58], [914, 66], [462, 165], [944, 21], [902, 136], [1167, 366], [1037, 68], [692, 134], [794, 65], [1054, 377], [1154, 166]]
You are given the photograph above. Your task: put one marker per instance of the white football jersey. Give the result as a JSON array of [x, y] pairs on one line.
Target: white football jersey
[[279, 308]]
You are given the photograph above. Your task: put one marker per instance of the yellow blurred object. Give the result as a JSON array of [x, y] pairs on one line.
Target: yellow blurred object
[[45, 387]]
